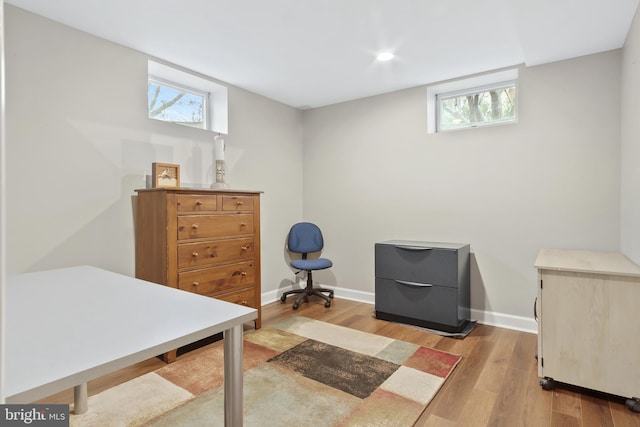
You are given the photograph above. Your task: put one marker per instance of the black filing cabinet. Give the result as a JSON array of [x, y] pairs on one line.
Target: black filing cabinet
[[423, 283]]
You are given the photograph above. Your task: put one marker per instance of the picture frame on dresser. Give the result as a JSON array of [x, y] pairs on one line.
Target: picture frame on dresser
[[165, 175]]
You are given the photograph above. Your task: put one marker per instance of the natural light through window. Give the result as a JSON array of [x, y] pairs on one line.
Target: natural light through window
[[477, 107], [483, 100], [174, 103]]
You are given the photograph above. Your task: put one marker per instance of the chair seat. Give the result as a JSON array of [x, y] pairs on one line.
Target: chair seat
[[311, 264]]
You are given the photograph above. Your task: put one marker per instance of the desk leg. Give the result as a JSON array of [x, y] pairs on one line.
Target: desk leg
[[80, 405], [233, 377]]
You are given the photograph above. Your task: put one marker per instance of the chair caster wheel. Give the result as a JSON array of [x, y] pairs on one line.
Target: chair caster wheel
[[547, 384], [283, 298], [331, 296], [633, 404], [295, 306], [327, 304]]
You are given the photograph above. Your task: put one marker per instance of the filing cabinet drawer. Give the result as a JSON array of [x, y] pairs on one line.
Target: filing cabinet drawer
[[196, 203], [438, 304], [208, 226], [237, 203], [215, 252], [415, 263], [218, 279]]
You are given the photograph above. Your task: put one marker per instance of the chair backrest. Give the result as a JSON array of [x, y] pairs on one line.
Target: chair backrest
[[305, 237]]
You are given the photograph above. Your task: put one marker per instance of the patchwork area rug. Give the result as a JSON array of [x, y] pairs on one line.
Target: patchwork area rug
[[298, 372]]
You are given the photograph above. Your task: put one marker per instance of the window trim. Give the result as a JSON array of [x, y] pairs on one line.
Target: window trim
[[181, 87], [461, 85], [441, 96], [218, 114]]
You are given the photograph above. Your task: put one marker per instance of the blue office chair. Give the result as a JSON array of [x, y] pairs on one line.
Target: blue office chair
[[305, 238]]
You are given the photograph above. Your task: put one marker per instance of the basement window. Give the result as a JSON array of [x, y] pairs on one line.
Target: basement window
[[184, 98], [476, 107], [480, 101], [172, 102]]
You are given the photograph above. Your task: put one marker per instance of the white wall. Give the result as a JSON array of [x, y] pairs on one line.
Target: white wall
[[630, 143], [373, 173], [79, 143]]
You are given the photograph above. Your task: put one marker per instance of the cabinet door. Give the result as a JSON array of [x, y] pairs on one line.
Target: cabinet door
[[589, 331]]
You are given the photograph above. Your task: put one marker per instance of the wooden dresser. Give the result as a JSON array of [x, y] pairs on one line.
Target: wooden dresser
[[202, 241]]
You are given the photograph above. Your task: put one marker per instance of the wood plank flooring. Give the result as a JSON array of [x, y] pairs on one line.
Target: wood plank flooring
[[495, 384]]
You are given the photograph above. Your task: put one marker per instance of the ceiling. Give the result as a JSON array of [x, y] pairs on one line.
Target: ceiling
[[311, 53]]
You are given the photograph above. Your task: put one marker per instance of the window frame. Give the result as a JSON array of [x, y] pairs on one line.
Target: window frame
[[206, 96], [218, 107], [442, 96], [466, 84]]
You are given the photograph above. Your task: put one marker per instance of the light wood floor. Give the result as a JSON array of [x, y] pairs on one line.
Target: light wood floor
[[495, 384]]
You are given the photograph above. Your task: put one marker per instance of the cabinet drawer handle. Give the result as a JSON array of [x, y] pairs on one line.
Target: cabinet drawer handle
[[239, 203], [419, 285], [413, 248], [195, 254], [244, 302], [195, 284], [194, 226], [198, 202], [245, 247], [244, 273], [243, 224]]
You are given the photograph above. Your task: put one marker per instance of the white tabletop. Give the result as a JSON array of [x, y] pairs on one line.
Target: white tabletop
[[69, 326]]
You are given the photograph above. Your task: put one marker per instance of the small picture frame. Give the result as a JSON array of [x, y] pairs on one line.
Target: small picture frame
[[165, 175]]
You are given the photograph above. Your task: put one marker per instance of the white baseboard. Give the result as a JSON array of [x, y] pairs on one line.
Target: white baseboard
[[501, 320]]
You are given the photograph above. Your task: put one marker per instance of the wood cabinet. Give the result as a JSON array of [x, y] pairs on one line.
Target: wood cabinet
[[587, 321], [202, 241], [423, 283]]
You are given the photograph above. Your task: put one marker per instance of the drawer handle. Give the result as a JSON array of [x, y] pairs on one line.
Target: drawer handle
[[194, 226], [198, 202], [419, 285], [244, 273], [413, 248], [239, 203], [195, 254], [244, 302], [245, 247], [195, 284], [243, 224]]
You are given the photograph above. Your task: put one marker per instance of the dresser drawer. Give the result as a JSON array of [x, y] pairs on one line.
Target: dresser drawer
[[420, 264], [237, 203], [246, 297], [196, 203], [207, 226], [202, 254], [437, 304], [218, 279]]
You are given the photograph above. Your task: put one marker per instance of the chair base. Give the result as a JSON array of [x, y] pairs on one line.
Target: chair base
[[308, 291]]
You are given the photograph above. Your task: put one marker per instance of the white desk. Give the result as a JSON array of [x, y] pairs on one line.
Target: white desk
[[66, 327]]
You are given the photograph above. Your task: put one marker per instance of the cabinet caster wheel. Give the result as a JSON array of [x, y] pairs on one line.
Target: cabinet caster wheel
[[295, 306], [327, 304], [547, 384], [633, 404]]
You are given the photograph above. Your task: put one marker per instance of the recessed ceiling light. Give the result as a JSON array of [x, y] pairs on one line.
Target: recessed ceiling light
[[384, 56]]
